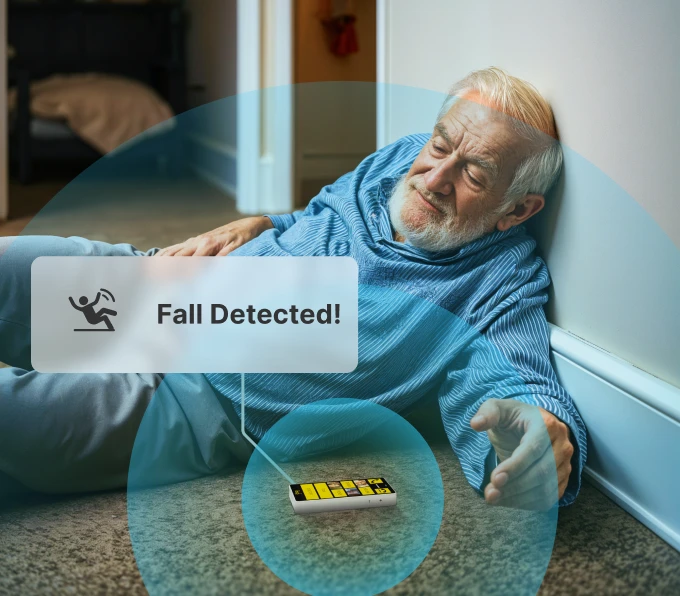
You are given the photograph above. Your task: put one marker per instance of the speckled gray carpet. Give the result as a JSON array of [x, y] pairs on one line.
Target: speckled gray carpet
[[81, 545]]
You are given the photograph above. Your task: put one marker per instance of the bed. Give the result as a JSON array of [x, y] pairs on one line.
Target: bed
[[143, 43]]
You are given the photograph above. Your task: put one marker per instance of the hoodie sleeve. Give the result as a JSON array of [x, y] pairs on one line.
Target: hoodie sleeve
[[509, 360]]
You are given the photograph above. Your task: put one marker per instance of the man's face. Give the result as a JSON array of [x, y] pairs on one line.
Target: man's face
[[454, 188]]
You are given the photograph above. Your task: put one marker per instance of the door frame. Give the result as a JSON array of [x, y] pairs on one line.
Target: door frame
[[264, 78], [382, 72]]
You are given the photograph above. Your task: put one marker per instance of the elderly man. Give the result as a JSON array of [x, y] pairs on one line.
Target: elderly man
[[437, 218]]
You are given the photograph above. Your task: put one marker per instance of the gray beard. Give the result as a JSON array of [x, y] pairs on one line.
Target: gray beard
[[443, 236]]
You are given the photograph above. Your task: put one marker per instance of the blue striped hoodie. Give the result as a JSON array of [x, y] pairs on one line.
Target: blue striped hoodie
[[462, 326]]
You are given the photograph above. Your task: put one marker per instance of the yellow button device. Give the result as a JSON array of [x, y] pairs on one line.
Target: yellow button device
[[323, 490], [338, 495], [309, 492]]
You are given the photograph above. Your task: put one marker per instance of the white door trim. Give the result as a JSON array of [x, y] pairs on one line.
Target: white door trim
[[264, 106], [382, 71]]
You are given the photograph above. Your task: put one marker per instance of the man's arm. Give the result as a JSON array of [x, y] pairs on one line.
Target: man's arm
[[534, 429], [284, 221], [220, 241], [521, 334], [223, 240]]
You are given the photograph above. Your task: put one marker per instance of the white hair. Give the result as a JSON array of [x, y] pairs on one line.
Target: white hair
[[531, 117]]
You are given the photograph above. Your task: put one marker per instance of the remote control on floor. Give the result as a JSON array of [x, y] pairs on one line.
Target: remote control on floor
[[338, 495]]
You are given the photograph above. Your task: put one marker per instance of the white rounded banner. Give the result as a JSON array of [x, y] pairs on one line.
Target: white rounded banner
[[194, 314]]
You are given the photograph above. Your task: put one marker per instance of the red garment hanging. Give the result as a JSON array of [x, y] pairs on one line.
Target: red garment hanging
[[338, 17]]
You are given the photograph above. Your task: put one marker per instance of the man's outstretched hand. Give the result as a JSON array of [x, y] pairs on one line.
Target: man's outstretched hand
[[221, 241], [534, 451]]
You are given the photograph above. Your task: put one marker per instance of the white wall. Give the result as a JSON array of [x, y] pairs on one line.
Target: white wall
[[609, 68], [211, 47], [211, 64]]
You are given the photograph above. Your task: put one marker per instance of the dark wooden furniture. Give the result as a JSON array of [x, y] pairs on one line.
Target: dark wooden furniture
[[140, 41]]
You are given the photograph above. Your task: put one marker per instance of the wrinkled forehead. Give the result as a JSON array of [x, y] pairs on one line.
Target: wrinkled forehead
[[473, 114], [477, 113]]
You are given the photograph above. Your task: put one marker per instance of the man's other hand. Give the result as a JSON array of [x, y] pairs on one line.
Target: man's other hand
[[221, 241], [530, 474]]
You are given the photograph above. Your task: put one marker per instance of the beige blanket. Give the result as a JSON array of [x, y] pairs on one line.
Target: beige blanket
[[103, 110]]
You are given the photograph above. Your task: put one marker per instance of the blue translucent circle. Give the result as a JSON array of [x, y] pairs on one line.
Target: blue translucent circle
[[364, 551], [187, 532]]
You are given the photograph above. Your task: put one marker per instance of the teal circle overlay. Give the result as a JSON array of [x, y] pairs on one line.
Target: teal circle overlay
[[362, 551], [187, 532]]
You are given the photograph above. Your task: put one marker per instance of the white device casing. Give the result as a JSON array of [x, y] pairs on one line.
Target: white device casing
[[342, 504]]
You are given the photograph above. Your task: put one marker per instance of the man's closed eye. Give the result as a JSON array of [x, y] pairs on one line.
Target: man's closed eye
[[472, 178]]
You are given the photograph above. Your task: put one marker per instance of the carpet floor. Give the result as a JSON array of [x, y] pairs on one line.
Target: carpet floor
[[81, 544]]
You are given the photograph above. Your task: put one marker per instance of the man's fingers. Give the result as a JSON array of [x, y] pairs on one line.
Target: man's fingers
[[529, 494], [542, 473], [487, 417], [562, 486], [205, 249], [537, 499], [226, 250], [557, 429], [531, 448], [168, 251], [187, 251]]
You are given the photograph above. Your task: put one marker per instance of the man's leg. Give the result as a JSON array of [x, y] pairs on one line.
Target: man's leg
[[69, 432], [47, 420]]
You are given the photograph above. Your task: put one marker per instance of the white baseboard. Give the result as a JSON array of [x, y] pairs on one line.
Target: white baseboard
[[222, 149], [633, 421], [657, 526]]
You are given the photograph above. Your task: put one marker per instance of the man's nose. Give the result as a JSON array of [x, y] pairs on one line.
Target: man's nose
[[439, 180]]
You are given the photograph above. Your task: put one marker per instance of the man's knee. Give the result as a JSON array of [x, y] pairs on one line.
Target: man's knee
[[64, 433]]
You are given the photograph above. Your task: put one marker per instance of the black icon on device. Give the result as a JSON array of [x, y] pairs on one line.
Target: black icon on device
[[95, 317]]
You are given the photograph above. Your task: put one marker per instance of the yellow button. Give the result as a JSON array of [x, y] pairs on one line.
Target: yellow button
[[323, 490], [339, 492], [310, 493], [382, 491], [366, 490], [375, 480], [348, 484]]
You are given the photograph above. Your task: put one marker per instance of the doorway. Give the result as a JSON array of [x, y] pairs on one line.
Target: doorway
[[335, 95], [270, 43]]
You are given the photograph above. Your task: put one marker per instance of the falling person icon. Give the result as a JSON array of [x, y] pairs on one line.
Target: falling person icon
[[94, 317]]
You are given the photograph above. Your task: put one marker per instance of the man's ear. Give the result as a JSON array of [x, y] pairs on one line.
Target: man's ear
[[528, 206]]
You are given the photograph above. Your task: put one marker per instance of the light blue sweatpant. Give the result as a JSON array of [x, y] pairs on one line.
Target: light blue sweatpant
[[75, 432]]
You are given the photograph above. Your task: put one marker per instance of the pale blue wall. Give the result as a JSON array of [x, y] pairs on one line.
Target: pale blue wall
[[609, 68]]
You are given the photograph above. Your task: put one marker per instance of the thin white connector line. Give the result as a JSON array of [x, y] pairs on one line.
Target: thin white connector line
[[253, 443]]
